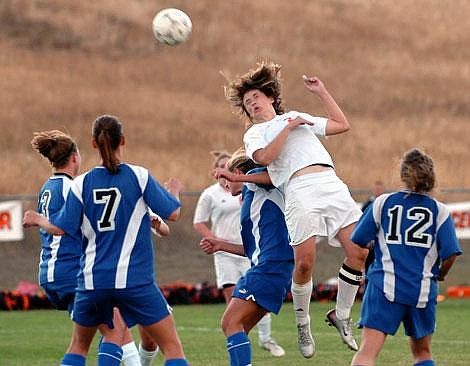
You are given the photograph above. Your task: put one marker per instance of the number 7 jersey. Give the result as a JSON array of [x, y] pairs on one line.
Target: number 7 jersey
[[412, 234], [111, 211]]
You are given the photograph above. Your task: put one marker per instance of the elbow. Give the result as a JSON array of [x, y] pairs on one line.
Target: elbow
[[174, 215]]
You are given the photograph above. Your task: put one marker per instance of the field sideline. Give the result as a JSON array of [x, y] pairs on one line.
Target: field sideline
[[40, 338]]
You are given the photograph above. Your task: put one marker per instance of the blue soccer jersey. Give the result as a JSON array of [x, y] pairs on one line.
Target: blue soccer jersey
[[412, 233], [60, 255], [263, 227], [112, 212]]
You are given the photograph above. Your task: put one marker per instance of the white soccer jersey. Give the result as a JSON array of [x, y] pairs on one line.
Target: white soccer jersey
[[302, 147], [222, 210]]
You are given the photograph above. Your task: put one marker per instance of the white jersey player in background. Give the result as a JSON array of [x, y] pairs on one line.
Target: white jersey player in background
[[217, 216], [318, 203]]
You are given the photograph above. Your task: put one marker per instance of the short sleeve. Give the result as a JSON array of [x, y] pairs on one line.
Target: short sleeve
[[160, 201], [447, 241], [366, 229], [319, 124], [203, 208], [254, 140], [70, 216]]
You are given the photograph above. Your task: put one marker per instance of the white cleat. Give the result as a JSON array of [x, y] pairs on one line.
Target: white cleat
[[344, 328], [305, 340], [273, 348]]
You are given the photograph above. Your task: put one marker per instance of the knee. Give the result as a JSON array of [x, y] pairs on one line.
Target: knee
[[304, 265]]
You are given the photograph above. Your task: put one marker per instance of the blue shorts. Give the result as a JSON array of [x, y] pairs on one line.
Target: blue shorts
[[144, 305], [61, 296], [266, 284], [379, 313]]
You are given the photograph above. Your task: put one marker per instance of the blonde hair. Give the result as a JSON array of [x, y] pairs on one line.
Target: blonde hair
[[417, 171], [54, 145], [218, 155], [266, 77], [241, 161]]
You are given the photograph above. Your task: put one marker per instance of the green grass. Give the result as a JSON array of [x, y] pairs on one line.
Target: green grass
[[41, 337]]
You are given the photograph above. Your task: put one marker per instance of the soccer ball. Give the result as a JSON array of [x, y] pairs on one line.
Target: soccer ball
[[171, 26]]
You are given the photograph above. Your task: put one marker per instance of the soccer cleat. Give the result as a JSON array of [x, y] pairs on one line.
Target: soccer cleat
[[305, 340], [273, 348], [344, 328]]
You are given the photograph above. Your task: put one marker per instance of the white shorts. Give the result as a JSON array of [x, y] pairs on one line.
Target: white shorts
[[318, 204], [229, 268]]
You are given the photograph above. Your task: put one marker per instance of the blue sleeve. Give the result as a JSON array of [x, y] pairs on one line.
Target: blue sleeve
[[162, 202], [70, 216], [447, 241], [366, 229]]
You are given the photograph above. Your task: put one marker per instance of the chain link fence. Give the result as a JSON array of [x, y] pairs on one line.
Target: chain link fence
[[178, 257]]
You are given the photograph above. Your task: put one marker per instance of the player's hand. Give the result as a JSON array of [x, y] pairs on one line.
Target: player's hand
[[208, 245], [313, 84], [223, 173], [298, 121], [30, 218], [174, 186], [156, 221]]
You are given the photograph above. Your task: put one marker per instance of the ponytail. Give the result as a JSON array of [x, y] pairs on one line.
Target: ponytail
[[107, 133], [54, 145]]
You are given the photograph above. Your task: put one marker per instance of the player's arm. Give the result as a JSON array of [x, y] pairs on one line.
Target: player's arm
[[257, 178], [161, 228], [32, 218], [212, 245], [337, 121], [174, 186], [203, 229], [446, 265]]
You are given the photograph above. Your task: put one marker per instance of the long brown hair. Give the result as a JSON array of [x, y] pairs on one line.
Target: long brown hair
[[266, 77], [54, 145], [417, 171], [107, 133]]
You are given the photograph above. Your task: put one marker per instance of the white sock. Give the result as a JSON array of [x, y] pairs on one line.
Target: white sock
[[130, 355], [348, 283], [301, 296], [264, 328], [147, 357]]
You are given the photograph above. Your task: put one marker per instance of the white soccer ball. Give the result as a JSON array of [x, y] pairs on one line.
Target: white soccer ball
[[171, 26]]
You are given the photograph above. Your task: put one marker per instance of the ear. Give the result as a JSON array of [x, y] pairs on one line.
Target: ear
[[123, 140], [94, 144]]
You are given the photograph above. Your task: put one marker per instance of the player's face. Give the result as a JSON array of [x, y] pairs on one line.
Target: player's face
[[235, 188], [257, 104], [222, 164]]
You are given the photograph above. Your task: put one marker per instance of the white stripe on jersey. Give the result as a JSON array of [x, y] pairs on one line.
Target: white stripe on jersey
[[129, 242], [55, 244], [387, 263], [255, 216], [425, 288], [142, 175], [90, 253], [77, 187]]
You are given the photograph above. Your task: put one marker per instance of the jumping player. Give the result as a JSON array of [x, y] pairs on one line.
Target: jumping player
[[266, 243], [415, 246], [318, 203], [109, 204]]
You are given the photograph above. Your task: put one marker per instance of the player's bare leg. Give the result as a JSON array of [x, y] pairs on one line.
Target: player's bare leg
[[371, 344]]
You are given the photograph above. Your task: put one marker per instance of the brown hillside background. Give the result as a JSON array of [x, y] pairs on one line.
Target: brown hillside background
[[399, 69]]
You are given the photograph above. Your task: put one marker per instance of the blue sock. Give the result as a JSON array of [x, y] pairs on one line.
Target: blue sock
[[72, 359], [176, 362], [109, 354], [239, 349], [425, 363]]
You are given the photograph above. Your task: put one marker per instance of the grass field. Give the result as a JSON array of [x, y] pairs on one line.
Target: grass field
[[40, 338]]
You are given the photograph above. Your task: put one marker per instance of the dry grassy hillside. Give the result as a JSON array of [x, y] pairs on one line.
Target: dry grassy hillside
[[399, 69]]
